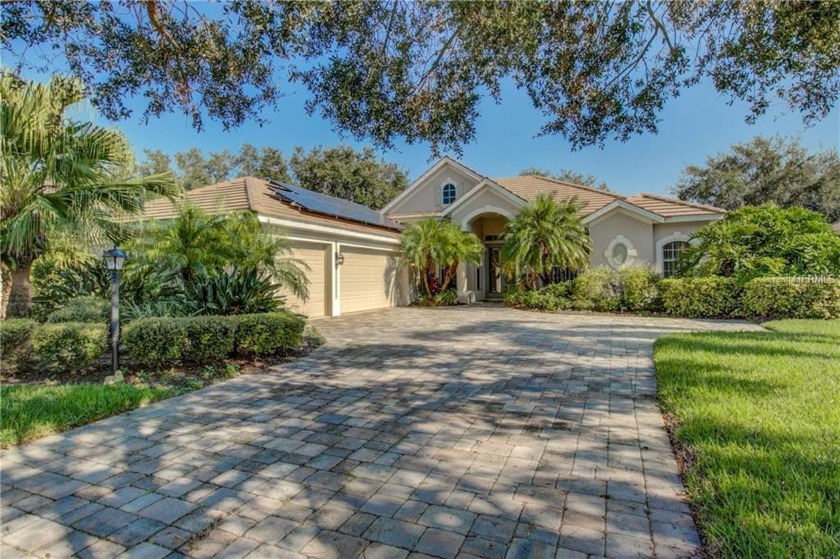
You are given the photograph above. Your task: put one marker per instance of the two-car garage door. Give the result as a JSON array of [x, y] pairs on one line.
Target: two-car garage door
[[367, 279]]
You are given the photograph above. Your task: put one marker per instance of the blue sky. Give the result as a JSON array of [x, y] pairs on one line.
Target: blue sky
[[693, 126]]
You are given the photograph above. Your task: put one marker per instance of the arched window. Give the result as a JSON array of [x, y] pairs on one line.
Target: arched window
[[449, 192], [670, 254]]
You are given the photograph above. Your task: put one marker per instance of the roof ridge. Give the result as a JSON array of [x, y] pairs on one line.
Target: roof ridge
[[567, 183], [679, 201]]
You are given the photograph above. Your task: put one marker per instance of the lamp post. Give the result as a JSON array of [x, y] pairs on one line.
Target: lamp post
[[114, 259]]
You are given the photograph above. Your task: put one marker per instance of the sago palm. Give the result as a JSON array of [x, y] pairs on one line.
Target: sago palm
[[59, 175], [545, 234]]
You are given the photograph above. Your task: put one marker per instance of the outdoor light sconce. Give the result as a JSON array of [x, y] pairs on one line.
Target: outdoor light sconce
[[114, 260], [339, 258]]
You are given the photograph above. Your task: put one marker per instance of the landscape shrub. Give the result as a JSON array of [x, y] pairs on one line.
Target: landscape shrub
[[638, 288], [792, 297], [446, 298], [156, 341], [15, 343], [82, 309], [69, 347], [596, 289], [706, 297], [265, 334]]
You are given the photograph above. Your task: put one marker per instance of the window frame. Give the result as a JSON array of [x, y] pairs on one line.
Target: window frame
[[453, 193]]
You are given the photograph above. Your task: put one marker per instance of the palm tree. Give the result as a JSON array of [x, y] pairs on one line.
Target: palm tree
[[431, 241], [545, 234], [60, 176]]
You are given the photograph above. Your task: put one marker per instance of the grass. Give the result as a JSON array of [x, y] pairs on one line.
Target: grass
[[33, 411], [758, 416]]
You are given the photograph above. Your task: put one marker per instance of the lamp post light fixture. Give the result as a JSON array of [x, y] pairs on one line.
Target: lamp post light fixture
[[114, 260]]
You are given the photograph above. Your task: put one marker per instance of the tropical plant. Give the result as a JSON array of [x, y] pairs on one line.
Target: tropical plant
[[431, 242], [235, 291], [59, 174], [545, 234], [764, 241]]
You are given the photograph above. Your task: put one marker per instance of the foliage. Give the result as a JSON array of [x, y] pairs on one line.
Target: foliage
[[342, 172], [545, 234], [779, 170], [633, 289], [161, 341], [446, 298], [82, 309], [757, 413], [567, 175], [60, 174], [15, 342], [432, 242], [708, 297], [234, 291], [69, 347], [30, 411], [259, 335], [764, 241], [419, 71], [776, 298]]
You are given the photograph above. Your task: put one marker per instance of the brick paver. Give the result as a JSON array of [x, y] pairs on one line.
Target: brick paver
[[461, 432]]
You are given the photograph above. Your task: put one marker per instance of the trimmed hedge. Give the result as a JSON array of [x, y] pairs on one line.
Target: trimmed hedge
[[797, 297], [82, 309], [707, 297], [15, 342], [158, 341], [267, 334], [69, 347]]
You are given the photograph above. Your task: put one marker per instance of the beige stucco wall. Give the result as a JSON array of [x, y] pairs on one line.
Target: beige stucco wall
[[639, 233], [485, 201], [425, 198]]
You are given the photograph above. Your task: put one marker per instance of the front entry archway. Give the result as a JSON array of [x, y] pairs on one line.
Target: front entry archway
[[486, 280]]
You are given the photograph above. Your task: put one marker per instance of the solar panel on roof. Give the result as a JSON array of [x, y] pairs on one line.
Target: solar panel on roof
[[329, 205]]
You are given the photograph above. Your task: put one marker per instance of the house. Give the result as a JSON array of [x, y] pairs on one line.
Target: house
[[644, 229], [352, 251]]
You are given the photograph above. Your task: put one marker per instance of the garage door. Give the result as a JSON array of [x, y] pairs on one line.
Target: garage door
[[367, 280], [315, 256]]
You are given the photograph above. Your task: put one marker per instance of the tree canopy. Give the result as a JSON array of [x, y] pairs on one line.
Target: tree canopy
[[358, 176], [567, 175], [779, 170], [764, 241], [396, 70]]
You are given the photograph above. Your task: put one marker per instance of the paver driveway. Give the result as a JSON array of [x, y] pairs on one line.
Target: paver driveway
[[464, 432]]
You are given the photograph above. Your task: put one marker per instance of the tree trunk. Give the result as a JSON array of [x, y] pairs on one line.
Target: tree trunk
[[5, 289], [20, 293], [450, 271]]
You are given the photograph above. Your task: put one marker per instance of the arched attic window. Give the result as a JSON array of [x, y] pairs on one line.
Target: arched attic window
[[449, 193]]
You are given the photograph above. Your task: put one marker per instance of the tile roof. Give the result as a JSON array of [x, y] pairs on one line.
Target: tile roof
[[528, 187], [671, 207], [258, 196]]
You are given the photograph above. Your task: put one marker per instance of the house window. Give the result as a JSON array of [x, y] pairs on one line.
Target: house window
[[670, 254], [562, 274], [449, 192], [620, 253]]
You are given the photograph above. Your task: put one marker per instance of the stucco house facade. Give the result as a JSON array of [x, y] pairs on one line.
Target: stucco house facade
[[644, 229], [352, 252]]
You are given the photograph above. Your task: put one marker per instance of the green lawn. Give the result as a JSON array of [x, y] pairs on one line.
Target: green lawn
[[29, 411], [759, 414]]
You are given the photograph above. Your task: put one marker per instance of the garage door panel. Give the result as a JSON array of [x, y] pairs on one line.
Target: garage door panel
[[368, 279], [315, 256]]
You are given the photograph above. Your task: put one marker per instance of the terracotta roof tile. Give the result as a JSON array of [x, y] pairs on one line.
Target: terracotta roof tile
[[671, 207], [248, 194], [528, 187]]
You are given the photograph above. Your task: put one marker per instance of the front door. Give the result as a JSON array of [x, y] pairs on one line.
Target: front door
[[495, 279]]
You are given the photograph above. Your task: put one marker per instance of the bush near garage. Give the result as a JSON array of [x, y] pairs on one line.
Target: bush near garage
[[69, 347], [796, 297], [160, 341]]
